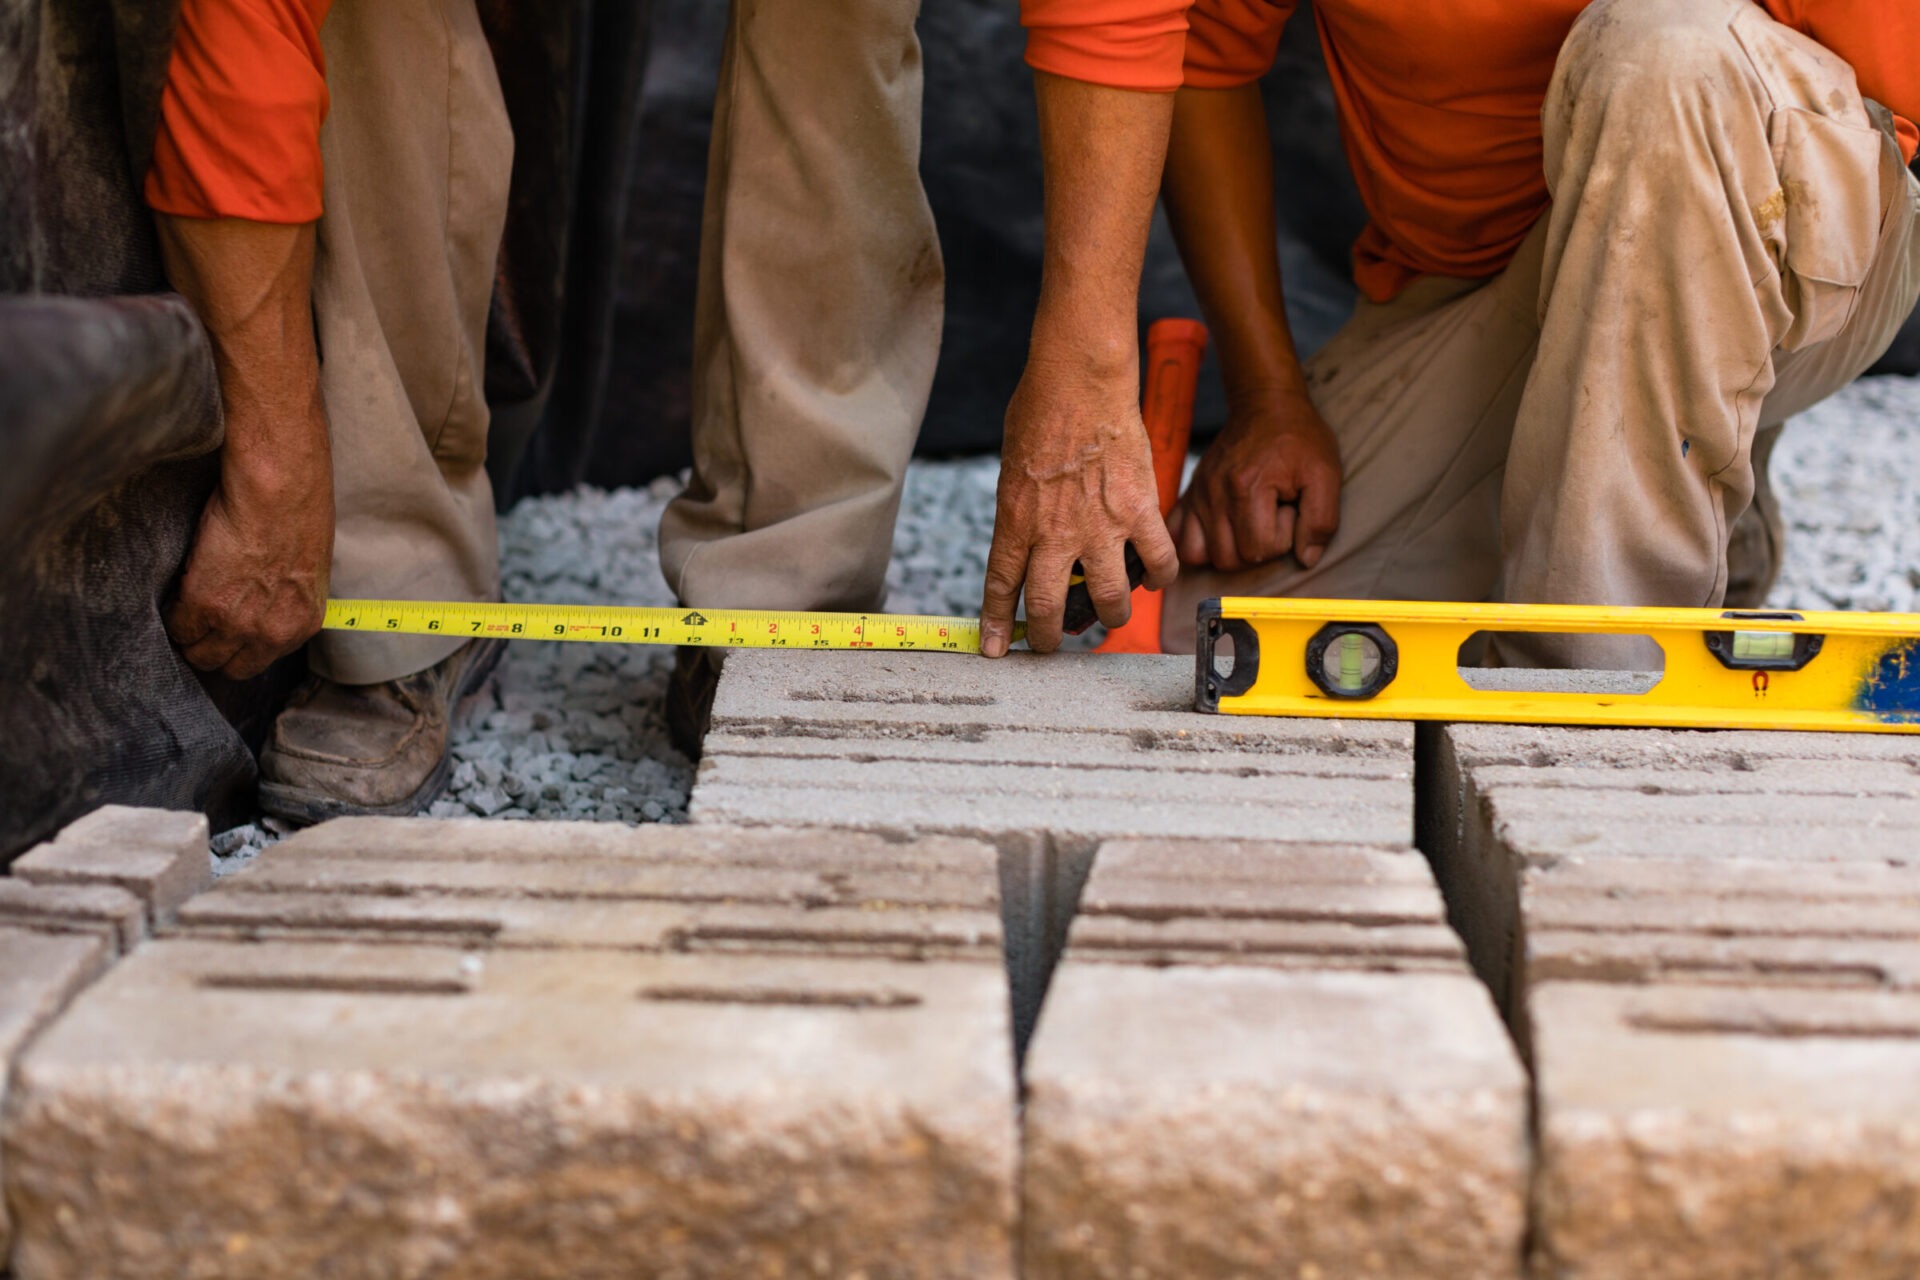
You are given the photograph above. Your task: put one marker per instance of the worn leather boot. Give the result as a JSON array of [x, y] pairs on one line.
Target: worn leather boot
[[690, 690], [342, 749], [1758, 545]]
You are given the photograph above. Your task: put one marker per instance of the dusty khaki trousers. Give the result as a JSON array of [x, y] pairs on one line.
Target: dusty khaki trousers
[[1733, 237], [418, 153], [819, 313]]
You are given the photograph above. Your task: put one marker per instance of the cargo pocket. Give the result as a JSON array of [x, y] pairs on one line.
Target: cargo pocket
[[1825, 217]]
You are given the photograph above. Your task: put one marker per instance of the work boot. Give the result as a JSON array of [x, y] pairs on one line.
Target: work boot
[[696, 678], [1758, 544], [342, 749]]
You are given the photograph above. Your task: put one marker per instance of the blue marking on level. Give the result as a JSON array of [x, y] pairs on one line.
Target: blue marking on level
[[1891, 691]]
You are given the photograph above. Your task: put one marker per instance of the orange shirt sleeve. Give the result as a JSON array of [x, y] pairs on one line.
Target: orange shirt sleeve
[[1124, 44], [240, 116], [1232, 42], [1881, 38]]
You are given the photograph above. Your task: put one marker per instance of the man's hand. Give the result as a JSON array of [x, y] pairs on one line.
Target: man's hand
[[1076, 483], [1269, 484], [255, 585], [1076, 473]]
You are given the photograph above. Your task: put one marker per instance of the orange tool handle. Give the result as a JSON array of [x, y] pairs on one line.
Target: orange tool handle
[[1174, 350]]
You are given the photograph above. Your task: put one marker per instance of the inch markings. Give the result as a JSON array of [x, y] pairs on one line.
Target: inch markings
[[609, 624]]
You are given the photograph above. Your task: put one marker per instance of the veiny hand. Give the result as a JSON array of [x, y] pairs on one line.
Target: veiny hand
[[255, 586], [1269, 484], [1076, 483]]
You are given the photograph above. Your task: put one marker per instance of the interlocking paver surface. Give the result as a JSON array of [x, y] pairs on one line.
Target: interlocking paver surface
[[1269, 1059], [1710, 944], [159, 856], [1045, 757], [385, 1049]]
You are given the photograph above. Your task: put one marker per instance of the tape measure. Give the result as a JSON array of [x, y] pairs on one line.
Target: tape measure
[[1724, 670], [613, 624]]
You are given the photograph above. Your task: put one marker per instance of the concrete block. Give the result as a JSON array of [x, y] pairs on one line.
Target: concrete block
[[39, 973], [287, 1109], [1234, 1121], [1282, 905], [1046, 758], [587, 886], [1512, 808], [1709, 944], [158, 855], [114, 915], [1694, 1131]]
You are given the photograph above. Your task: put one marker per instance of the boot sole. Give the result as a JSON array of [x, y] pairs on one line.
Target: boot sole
[[305, 808]]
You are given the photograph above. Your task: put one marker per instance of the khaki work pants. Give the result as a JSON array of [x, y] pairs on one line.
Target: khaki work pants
[[1733, 237], [418, 153], [819, 313]]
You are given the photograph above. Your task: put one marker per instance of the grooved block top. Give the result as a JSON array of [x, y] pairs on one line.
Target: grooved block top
[[1749, 960], [1149, 697], [1715, 1052], [109, 912], [1889, 779], [801, 1030], [1078, 747], [519, 844], [1544, 746], [159, 855], [1166, 1038], [1243, 902], [770, 891]]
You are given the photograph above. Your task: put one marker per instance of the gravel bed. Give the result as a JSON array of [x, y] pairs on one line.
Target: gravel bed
[[576, 731]]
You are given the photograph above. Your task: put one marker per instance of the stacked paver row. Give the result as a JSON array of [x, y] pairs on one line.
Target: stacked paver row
[[515, 1050], [518, 1051], [1219, 1083], [1711, 943], [74, 906], [1270, 1059]]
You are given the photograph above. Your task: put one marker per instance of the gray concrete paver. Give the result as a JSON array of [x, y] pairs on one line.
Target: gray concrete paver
[[1709, 944], [158, 855], [1240, 1121], [39, 974], [306, 1109], [1752, 1133]]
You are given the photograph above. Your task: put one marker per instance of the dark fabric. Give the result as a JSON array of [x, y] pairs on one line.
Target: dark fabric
[[571, 73], [110, 423]]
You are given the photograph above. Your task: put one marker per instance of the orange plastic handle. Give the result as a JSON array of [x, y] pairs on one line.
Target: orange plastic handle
[[1175, 349]]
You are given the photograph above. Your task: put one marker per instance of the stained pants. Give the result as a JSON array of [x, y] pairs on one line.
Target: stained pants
[[1733, 236], [819, 313], [418, 153]]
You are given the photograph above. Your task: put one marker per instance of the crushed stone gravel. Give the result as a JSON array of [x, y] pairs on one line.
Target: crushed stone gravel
[[575, 731]]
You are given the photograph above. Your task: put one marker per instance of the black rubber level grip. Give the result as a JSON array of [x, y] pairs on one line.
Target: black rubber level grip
[[1080, 612]]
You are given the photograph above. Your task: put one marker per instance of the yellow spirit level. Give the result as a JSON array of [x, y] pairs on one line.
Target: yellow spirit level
[[1397, 661]]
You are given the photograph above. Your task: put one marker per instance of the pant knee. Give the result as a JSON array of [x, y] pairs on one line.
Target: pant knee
[[1663, 49]]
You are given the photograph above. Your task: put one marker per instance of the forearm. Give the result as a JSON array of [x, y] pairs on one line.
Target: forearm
[[1219, 198], [251, 285], [1104, 151]]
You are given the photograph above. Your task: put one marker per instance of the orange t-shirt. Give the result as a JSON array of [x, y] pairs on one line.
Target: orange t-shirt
[[240, 115], [1439, 102]]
